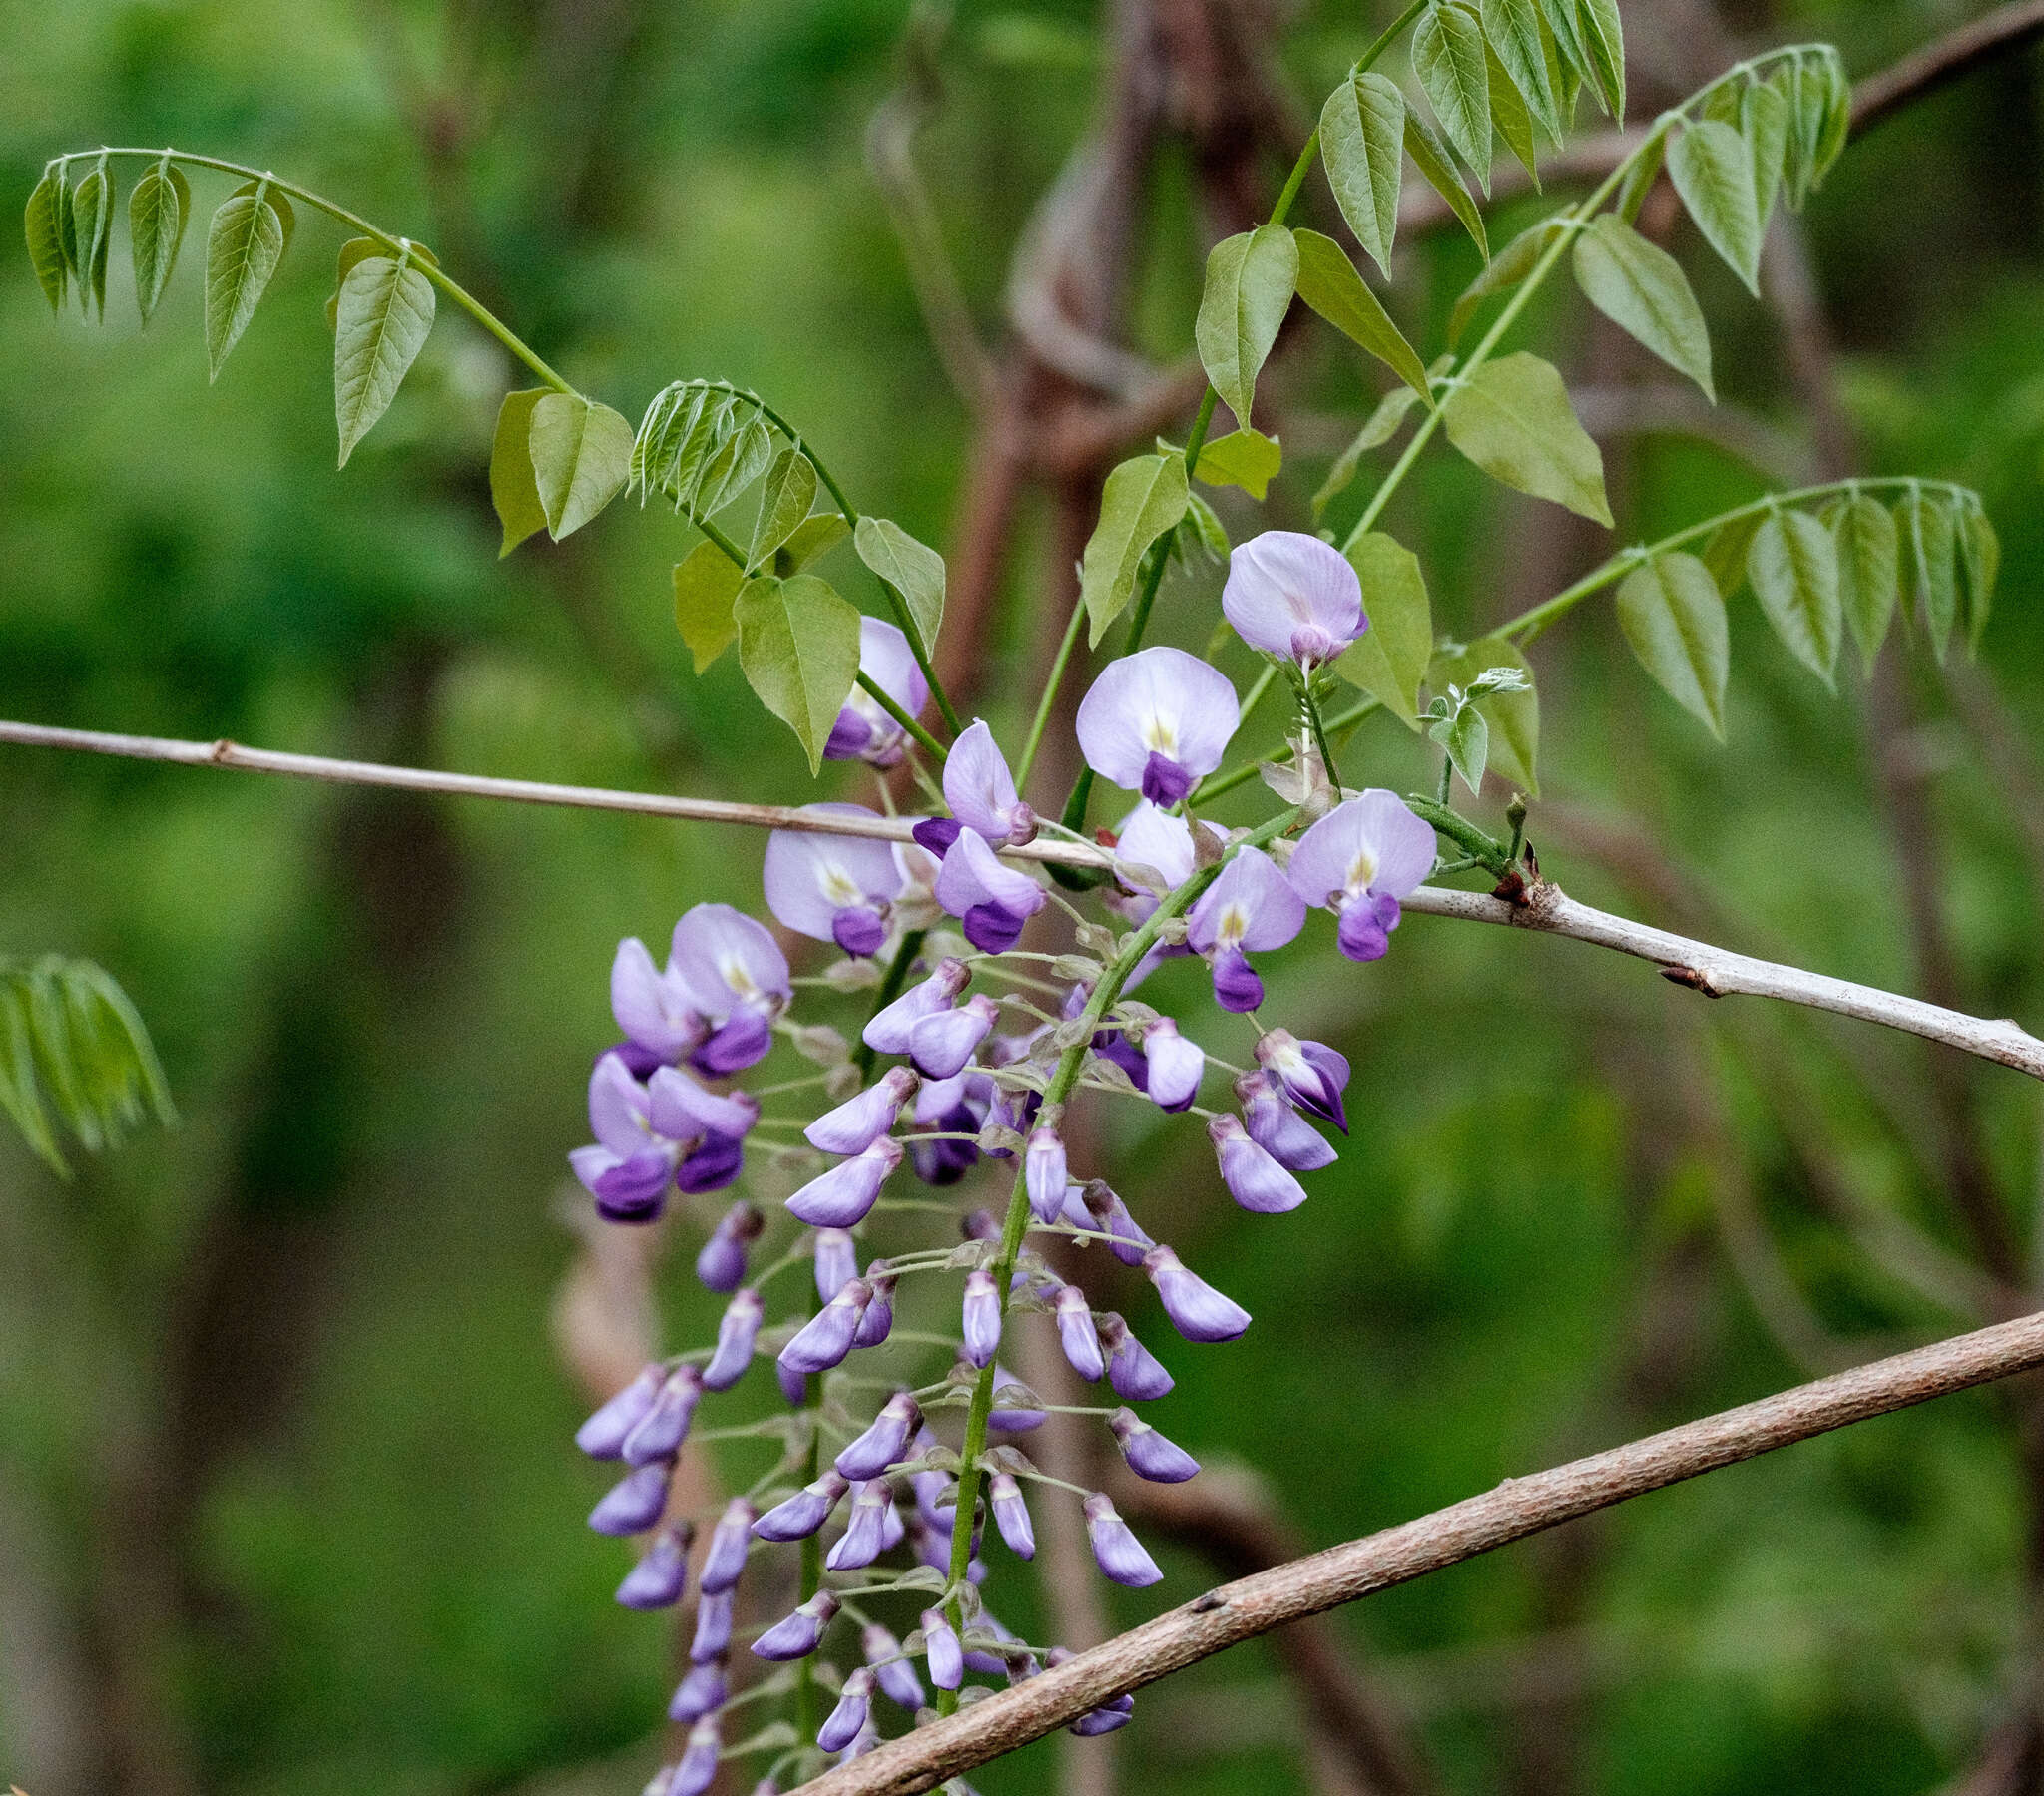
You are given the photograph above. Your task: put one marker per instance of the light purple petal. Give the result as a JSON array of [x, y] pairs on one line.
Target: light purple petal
[[1157, 702], [1371, 843], [729, 960], [618, 1108], [1119, 1552], [1147, 1453], [841, 1197], [973, 876], [1254, 1179], [682, 1109], [1176, 1066], [859, 1122], [942, 1043], [1251, 906], [1293, 595], [978, 787], [887, 1033], [808, 879], [652, 1007]]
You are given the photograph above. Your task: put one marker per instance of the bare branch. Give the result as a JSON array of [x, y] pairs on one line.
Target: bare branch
[[1715, 972], [1515, 1508]]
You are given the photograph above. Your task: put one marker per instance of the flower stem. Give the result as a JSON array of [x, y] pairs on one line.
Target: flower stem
[[1050, 693]]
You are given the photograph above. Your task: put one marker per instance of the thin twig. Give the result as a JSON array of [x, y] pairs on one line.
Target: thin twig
[[1515, 1508], [1715, 972]]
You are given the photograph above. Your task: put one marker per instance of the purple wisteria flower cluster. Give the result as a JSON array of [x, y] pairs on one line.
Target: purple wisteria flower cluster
[[891, 1461]]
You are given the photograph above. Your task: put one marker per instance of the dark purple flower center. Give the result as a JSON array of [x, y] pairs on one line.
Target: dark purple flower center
[[1163, 780], [634, 1191], [992, 928], [742, 1041], [850, 737], [713, 1166], [1368, 920], [1236, 985], [858, 930], [937, 833]]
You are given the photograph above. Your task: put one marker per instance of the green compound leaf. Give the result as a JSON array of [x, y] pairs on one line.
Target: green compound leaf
[[1513, 419], [581, 453], [1764, 120], [707, 584], [384, 314], [1249, 282], [1430, 157], [1510, 119], [1869, 569], [45, 235], [1724, 553], [1330, 284], [1794, 569], [1673, 617], [1513, 30], [1390, 660], [244, 244], [912, 568], [1514, 717], [1362, 131], [1604, 45], [513, 490], [798, 646], [786, 496], [1931, 535], [1447, 56], [1642, 289], [1244, 458], [92, 214], [157, 211], [1144, 497], [1713, 172]]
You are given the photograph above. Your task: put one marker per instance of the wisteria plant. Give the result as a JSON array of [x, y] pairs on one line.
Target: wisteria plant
[[977, 969]]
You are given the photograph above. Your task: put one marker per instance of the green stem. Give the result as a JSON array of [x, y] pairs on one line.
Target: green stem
[[1062, 1081], [320, 203], [1529, 624], [1050, 693], [1217, 783], [1312, 713], [1463, 833]]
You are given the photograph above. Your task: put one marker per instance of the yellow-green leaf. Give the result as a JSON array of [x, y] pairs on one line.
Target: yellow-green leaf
[[1430, 158], [1713, 172], [1513, 419], [1362, 129], [1390, 660], [1512, 28], [1673, 617], [1642, 289], [1144, 497], [92, 213], [798, 646], [1604, 45], [786, 496], [815, 538], [157, 211], [46, 237], [1330, 284], [912, 568], [1794, 569], [1763, 119], [1979, 565], [513, 490], [243, 244], [1249, 282], [707, 584], [581, 453], [384, 315], [1928, 529], [1244, 458], [1514, 717], [1869, 569], [1510, 117], [1505, 270], [1447, 56]]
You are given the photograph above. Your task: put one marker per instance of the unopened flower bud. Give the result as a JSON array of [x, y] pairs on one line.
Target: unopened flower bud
[[1147, 1453], [660, 1431], [840, 1197], [721, 1264], [855, 1126], [713, 1627], [888, 1030], [885, 1442], [1119, 1553], [1175, 1066], [1133, 1370], [1253, 1178], [943, 1042], [982, 1317], [866, 1535], [1043, 1172], [1077, 1335], [804, 1513], [727, 1543], [1278, 1129], [634, 1503], [942, 1649], [703, 1689], [696, 1770], [797, 1636], [1196, 1310], [827, 1337], [657, 1580], [844, 1721], [894, 1674], [878, 1320], [603, 1435], [1011, 1515], [836, 1262], [734, 1337]]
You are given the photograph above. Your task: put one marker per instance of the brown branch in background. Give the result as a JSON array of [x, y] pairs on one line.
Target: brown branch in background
[[1515, 1508]]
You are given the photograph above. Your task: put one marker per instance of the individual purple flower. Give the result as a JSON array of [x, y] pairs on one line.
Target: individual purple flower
[[657, 1580], [835, 1256], [1156, 721], [1117, 1551], [1362, 860], [991, 901], [864, 731], [1278, 1129], [894, 1674], [653, 1006], [854, 1704], [629, 1168], [728, 1541], [794, 1383], [1251, 906], [860, 1122], [886, 1440], [1147, 1453], [834, 888], [1196, 1310], [714, 1612], [1043, 1174], [1294, 596], [1094, 1205], [634, 1503], [797, 1636], [697, 1769], [804, 1513], [888, 1030], [876, 1323], [946, 1657], [736, 1334], [1134, 1371], [737, 977], [1176, 1066], [703, 1689], [866, 1533], [1011, 1515], [981, 794], [1077, 1335], [721, 1264], [1254, 1179], [603, 1435], [943, 1042], [842, 1197], [1313, 1074], [981, 1317], [659, 1434], [827, 1336]]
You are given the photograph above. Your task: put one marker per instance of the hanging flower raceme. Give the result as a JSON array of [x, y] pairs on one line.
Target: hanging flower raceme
[[1158, 721], [864, 731], [833, 888], [1252, 906], [1362, 860], [1294, 596]]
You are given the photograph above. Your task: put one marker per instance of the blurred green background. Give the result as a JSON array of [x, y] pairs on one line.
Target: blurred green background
[[287, 1501]]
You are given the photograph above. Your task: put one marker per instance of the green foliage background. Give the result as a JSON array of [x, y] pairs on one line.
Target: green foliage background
[[287, 1504]]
